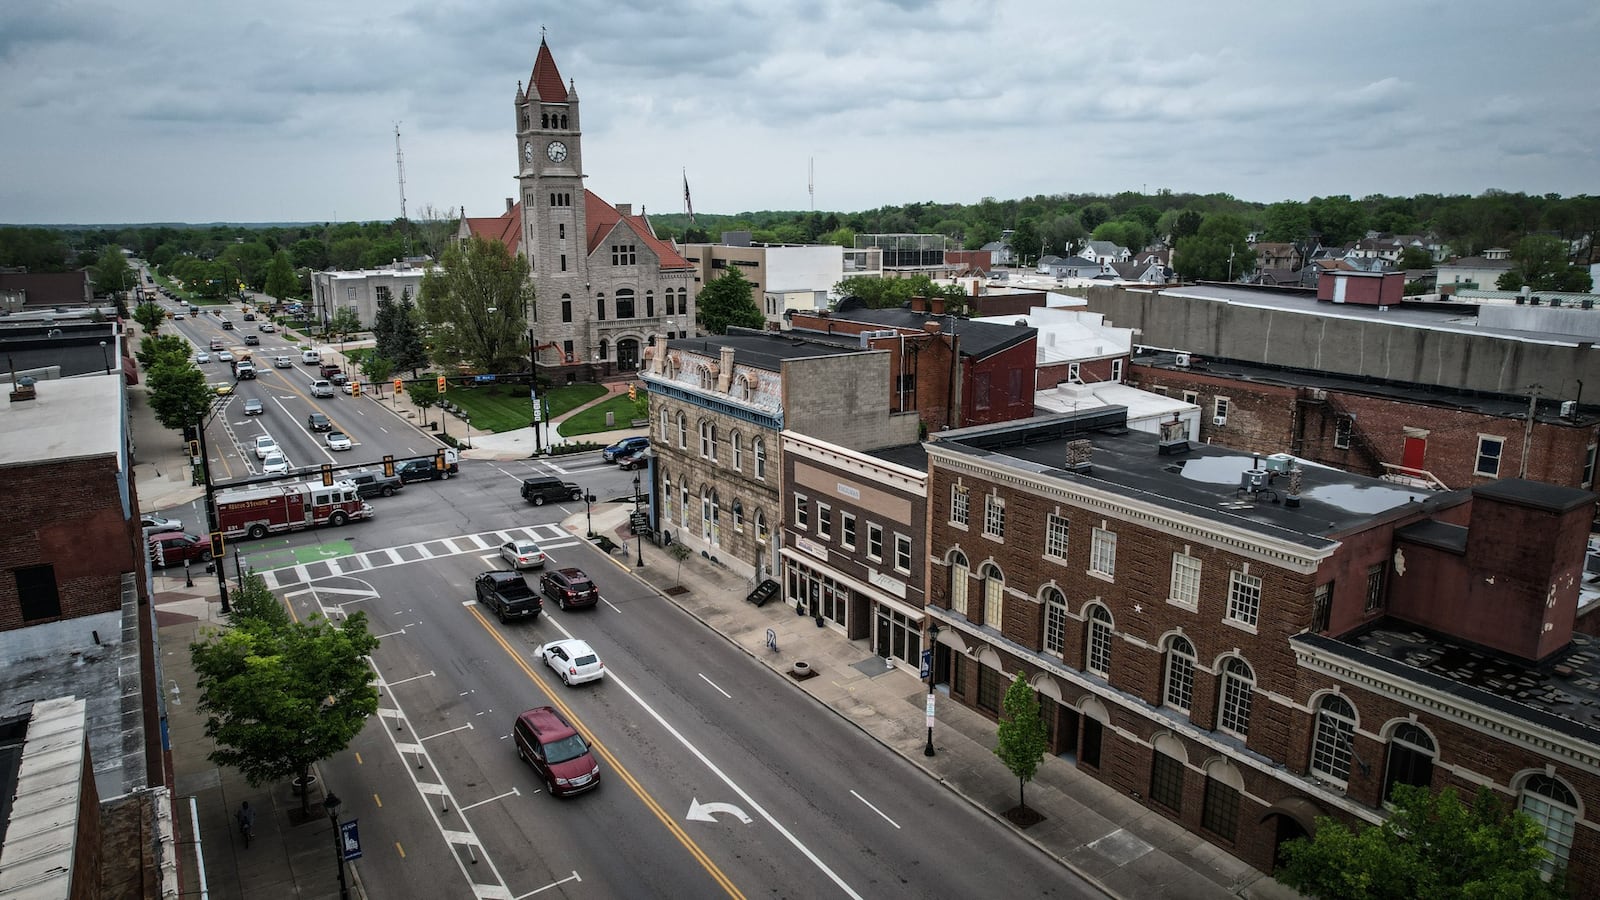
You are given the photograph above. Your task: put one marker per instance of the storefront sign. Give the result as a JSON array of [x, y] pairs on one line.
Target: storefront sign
[[812, 547], [889, 583], [846, 490]]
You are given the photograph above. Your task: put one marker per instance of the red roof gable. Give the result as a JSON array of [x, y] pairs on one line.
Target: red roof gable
[[545, 83], [603, 217], [506, 228]]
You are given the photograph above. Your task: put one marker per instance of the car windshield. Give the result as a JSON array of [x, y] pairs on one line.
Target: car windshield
[[565, 749]]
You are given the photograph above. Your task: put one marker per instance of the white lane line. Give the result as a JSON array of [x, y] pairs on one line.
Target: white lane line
[[412, 678], [558, 544], [610, 604], [511, 793], [389, 634], [874, 809], [466, 727], [553, 884], [714, 684]]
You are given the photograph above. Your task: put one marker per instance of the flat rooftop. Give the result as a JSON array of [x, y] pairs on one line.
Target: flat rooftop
[[70, 418], [759, 349], [1202, 480]]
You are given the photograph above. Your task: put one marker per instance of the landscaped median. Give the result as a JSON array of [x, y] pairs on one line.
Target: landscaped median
[[505, 407]]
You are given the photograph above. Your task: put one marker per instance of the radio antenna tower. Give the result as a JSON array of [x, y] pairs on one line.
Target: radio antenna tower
[[811, 181], [400, 168]]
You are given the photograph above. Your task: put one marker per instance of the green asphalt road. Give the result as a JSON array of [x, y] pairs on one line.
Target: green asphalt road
[[265, 555]]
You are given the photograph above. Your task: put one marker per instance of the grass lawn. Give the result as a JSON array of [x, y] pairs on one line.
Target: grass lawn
[[593, 419], [503, 407]]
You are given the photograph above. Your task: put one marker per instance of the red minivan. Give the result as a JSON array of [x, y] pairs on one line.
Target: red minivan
[[556, 751]]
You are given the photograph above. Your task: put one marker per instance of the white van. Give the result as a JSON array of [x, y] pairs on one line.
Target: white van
[[311, 357]]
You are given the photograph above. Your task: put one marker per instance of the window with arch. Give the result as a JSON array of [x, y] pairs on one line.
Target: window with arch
[[707, 382], [1335, 734], [1238, 687], [1097, 655], [566, 308], [605, 350], [738, 515], [708, 439], [683, 301], [710, 513], [1219, 810], [666, 491], [758, 450], [1552, 804], [600, 307], [563, 120], [761, 525], [625, 303], [683, 431], [736, 442], [666, 426], [1411, 755], [1055, 622], [683, 504], [650, 304], [960, 575], [1178, 691], [994, 594], [741, 388]]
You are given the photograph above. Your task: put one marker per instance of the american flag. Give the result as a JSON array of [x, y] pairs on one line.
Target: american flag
[[688, 205]]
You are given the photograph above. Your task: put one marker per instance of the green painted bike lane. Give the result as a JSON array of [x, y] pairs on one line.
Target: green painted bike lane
[[263, 555]]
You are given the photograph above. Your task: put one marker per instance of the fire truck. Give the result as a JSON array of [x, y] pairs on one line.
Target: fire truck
[[258, 511]]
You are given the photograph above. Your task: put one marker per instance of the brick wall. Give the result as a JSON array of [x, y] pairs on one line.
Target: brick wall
[[67, 514]]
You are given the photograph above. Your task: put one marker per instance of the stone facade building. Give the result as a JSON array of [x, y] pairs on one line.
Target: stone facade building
[[1244, 646], [603, 282]]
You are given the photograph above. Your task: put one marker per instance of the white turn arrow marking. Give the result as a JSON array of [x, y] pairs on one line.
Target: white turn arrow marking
[[706, 812]]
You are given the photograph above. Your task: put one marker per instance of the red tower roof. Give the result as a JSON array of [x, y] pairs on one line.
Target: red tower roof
[[545, 83]]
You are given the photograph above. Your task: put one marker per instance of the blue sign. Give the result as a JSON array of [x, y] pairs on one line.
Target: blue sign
[[350, 840], [927, 664], [482, 378]]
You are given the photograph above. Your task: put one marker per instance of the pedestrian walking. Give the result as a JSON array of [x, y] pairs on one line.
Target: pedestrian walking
[[247, 821]]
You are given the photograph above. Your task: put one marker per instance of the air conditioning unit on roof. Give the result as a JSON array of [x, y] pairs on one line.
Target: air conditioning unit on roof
[[1183, 360]]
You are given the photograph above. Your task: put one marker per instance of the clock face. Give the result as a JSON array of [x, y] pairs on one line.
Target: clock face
[[527, 152], [557, 151]]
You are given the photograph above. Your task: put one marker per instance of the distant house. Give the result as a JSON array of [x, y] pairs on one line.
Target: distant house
[[1143, 272], [999, 253], [1105, 251], [1073, 267], [1277, 255], [1475, 271]]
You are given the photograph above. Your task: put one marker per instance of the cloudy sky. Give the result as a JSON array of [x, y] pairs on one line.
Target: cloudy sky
[[220, 110]]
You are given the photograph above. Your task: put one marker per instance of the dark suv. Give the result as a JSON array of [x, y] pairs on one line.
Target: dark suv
[[374, 484], [508, 594], [557, 752], [419, 470], [318, 422], [540, 491], [625, 446], [569, 587]]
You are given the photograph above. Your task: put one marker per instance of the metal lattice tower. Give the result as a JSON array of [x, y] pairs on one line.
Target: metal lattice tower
[[400, 168]]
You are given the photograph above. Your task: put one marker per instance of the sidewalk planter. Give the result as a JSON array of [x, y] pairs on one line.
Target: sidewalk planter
[[801, 669]]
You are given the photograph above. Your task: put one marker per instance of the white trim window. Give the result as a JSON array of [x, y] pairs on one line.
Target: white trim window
[[1491, 450], [902, 553], [1334, 737], [708, 440], [874, 542], [994, 596], [824, 521], [666, 426], [1238, 688], [802, 513], [737, 441], [994, 517], [758, 449], [1244, 598], [1179, 691], [666, 492], [1103, 552], [1056, 530], [1055, 622], [1116, 370], [847, 530], [683, 431], [1097, 656], [960, 582], [1552, 804], [960, 505], [1185, 590]]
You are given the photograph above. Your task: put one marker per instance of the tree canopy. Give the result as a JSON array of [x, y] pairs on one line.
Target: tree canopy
[[726, 301], [477, 303], [1216, 252], [1021, 739], [111, 272], [280, 283], [1543, 263], [891, 293], [179, 395]]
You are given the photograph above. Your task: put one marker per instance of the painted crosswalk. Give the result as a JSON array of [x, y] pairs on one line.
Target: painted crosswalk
[[547, 536]]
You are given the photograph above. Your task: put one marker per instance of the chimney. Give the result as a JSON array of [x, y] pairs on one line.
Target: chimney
[[931, 327], [510, 203], [725, 379], [1173, 437], [24, 389], [625, 209], [1079, 453]]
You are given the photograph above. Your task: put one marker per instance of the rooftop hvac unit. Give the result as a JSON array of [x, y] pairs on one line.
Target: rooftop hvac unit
[[1183, 360], [1278, 463], [1253, 480], [1569, 409]]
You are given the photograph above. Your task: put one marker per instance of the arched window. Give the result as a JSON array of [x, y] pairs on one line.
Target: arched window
[[1179, 690], [1097, 655], [738, 514], [1552, 804], [959, 576], [666, 427], [544, 120], [650, 304], [1055, 622], [761, 525], [625, 303], [994, 596], [683, 503], [1411, 755], [600, 307], [563, 120], [741, 388], [736, 440], [758, 449], [1331, 742], [666, 491], [566, 307], [605, 347], [708, 439], [1238, 686], [710, 511], [706, 381], [683, 432]]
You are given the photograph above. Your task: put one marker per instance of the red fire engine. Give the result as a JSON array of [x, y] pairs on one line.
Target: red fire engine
[[257, 511]]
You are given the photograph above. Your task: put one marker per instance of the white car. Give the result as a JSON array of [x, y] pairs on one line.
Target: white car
[[574, 660], [202, 357], [522, 554], [177, 317], [275, 465], [348, 387], [266, 446], [282, 362], [224, 356], [338, 440]]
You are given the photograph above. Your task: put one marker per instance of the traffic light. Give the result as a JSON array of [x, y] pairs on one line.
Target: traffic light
[[442, 384], [355, 388], [327, 475], [194, 449], [633, 392], [397, 384], [216, 546], [388, 465], [438, 458]]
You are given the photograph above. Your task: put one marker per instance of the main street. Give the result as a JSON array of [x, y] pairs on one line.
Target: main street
[[719, 778]]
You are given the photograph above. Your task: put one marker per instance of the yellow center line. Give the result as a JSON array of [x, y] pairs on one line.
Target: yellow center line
[[638, 789]]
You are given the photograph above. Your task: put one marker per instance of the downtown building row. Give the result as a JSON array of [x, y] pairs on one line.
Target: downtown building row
[[1240, 641]]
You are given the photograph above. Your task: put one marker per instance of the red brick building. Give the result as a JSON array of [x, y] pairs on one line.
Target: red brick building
[[1365, 288], [1244, 646], [1425, 437]]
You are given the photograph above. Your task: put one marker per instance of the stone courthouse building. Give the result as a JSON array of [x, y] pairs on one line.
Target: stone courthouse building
[[1243, 646]]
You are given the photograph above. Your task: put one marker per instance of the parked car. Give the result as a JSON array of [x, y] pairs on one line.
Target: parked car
[[419, 470], [338, 440], [160, 523], [624, 446], [508, 594], [252, 407], [522, 554], [176, 547], [265, 446], [569, 587], [638, 459], [282, 362], [545, 489], [275, 465], [558, 753], [374, 484], [573, 660], [318, 422], [321, 388]]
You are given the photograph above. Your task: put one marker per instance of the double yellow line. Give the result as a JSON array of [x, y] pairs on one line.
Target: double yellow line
[[638, 789]]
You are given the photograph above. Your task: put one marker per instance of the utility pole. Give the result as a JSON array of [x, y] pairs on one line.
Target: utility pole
[[400, 167], [1527, 428], [214, 529]]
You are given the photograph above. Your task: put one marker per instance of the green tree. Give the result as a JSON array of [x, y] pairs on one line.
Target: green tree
[[149, 316], [1021, 740], [111, 271], [1338, 219], [1415, 258], [1541, 262], [407, 348], [1432, 847], [34, 249], [1128, 233], [248, 262], [309, 253], [376, 367], [179, 395], [478, 304], [1061, 231], [1095, 214], [155, 347], [726, 301], [1215, 252], [1026, 242], [281, 283], [424, 394], [280, 696], [345, 322], [1287, 222]]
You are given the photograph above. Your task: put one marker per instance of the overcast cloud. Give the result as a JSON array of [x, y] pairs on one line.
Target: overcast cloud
[[195, 111]]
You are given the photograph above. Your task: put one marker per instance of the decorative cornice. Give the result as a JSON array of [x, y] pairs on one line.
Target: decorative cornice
[[701, 400], [890, 475]]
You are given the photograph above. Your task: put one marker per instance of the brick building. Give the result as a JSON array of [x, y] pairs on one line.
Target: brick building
[[1244, 645], [718, 406], [1424, 436], [854, 536]]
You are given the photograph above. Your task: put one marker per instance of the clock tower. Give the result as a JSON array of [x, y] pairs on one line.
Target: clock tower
[[550, 178]]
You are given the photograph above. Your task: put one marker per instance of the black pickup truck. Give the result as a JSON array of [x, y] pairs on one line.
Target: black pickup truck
[[508, 594]]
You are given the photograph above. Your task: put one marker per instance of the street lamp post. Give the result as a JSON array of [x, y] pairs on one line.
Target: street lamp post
[[639, 535], [331, 804], [588, 498], [933, 641]]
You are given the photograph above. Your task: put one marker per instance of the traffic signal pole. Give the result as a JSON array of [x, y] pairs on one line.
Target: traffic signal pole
[[214, 530]]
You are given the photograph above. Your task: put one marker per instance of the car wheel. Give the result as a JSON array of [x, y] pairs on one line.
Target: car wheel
[[338, 518], [205, 556], [521, 754], [565, 679], [549, 786], [445, 474], [538, 500], [388, 491], [502, 617], [561, 602], [258, 531]]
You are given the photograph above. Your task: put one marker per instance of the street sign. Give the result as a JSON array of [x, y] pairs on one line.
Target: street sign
[[931, 695], [640, 522], [927, 664], [481, 379], [350, 840]]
